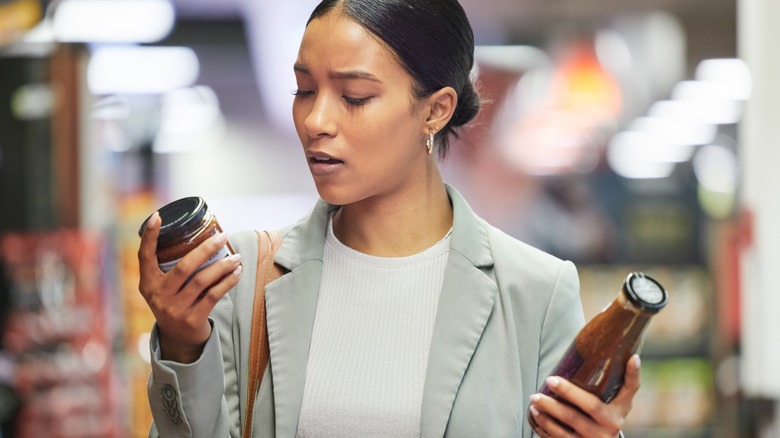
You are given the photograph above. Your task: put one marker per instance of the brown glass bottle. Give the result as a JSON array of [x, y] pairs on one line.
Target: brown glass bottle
[[185, 224], [596, 359]]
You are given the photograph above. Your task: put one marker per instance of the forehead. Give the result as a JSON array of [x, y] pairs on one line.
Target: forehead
[[335, 41]]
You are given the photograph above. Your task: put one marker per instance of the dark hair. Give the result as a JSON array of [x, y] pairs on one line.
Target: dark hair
[[433, 41]]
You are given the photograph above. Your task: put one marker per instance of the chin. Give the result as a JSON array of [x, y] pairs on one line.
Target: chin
[[334, 196]]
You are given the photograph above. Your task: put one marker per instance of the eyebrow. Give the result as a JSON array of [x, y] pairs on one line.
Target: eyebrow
[[349, 74]]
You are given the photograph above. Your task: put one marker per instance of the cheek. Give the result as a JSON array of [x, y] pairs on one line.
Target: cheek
[[299, 116], [397, 124]]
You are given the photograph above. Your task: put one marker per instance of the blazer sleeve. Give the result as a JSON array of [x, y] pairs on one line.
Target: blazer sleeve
[[188, 400], [202, 399], [562, 321]]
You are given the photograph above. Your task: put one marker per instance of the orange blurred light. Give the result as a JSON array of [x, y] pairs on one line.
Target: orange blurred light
[[582, 85]]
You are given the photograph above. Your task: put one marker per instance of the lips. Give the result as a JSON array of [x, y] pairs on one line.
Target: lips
[[322, 164], [317, 157]]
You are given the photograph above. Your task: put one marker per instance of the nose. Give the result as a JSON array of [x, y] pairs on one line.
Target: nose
[[321, 119]]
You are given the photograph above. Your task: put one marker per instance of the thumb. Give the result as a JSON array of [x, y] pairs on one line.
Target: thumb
[[632, 382]]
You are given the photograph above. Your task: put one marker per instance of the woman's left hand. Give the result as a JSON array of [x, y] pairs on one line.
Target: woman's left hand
[[597, 419]]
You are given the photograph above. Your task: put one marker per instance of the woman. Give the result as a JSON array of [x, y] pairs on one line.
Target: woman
[[401, 313]]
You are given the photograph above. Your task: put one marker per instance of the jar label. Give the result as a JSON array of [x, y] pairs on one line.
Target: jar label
[[219, 255]]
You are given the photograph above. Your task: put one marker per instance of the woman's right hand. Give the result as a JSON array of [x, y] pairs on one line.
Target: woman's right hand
[[182, 307]]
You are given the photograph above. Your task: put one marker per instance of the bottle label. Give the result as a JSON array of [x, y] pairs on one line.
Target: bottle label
[[221, 254]]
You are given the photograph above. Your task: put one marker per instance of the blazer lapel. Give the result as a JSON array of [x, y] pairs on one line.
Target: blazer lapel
[[291, 302], [465, 304]]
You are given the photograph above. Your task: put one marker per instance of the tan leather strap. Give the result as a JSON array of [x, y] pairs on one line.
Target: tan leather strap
[[267, 271]]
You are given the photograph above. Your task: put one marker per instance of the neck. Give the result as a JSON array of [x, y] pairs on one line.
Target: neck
[[399, 224]]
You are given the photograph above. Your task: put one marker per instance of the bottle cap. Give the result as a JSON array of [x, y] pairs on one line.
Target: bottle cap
[[178, 216], [645, 292]]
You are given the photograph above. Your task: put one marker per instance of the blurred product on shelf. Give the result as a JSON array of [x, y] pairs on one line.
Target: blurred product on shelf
[[9, 401], [56, 335]]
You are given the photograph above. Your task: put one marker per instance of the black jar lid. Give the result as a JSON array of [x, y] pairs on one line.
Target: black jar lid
[[178, 216], [645, 292]]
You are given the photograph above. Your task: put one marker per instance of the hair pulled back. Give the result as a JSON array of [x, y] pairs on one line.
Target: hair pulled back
[[433, 41]]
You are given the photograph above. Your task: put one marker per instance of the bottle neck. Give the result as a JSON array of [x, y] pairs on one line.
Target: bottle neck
[[626, 304], [620, 323]]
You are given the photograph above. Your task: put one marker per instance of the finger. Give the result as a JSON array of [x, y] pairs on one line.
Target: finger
[[190, 263], [632, 382], [211, 297], [585, 410], [208, 278], [573, 394], [550, 427], [147, 251]]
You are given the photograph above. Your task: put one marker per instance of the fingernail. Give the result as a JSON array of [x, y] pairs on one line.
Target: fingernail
[[234, 258], [220, 237], [534, 411], [535, 398], [153, 220], [238, 270], [553, 381], [637, 361]]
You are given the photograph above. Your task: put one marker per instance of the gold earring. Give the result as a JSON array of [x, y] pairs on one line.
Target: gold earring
[[429, 143]]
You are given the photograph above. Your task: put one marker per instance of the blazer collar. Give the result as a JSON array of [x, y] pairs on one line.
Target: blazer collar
[[305, 240], [469, 234], [464, 306]]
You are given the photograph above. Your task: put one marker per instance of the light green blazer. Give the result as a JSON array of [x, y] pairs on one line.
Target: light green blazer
[[506, 314]]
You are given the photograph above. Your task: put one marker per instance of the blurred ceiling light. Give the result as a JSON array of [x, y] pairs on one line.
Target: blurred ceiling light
[[42, 33], [189, 109], [141, 70], [191, 119], [660, 150], [732, 74], [512, 58], [113, 107], [704, 91], [631, 155], [716, 168], [612, 50], [717, 112], [133, 21], [674, 131]]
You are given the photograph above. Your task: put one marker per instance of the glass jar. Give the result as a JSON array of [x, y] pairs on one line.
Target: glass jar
[[185, 224]]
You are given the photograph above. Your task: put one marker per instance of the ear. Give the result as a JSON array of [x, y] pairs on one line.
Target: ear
[[441, 107]]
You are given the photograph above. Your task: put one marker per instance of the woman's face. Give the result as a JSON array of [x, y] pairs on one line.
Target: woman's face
[[360, 126]]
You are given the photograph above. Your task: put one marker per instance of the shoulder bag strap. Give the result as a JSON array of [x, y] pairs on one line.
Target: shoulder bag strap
[[267, 271]]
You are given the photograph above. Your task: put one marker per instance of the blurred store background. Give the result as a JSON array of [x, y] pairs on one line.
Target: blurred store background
[[620, 135]]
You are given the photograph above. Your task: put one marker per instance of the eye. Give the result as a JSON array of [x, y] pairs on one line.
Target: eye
[[302, 93], [357, 101]]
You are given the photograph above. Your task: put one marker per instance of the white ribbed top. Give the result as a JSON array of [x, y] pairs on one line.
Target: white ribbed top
[[370, 342]]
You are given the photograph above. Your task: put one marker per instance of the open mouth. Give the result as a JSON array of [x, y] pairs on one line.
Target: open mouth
[[318, 160]]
